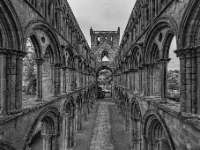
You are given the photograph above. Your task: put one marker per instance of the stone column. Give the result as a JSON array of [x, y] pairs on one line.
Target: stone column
[[188, 69], [72, 132], [58, 25], [3, 86], [77, 80], [39, 63], [72, 82], [164, 63], [18, 89], [64, 80], [56, 79], [65, 131], [151, 80], [126, 122], [47, 141], [78, 119]]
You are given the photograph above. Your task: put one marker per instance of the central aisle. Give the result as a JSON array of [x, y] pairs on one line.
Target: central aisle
[[101, 139]]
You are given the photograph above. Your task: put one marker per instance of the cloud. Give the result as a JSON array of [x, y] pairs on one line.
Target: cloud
[[105, 15], [108, 15]]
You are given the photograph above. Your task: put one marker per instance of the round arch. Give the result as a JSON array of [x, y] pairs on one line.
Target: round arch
[[154, 125], [189, 33], [11, 29], [159, 24], [102, 68], [137, 56], [6, 146], [44, 26], [50, 112], [136, 118]]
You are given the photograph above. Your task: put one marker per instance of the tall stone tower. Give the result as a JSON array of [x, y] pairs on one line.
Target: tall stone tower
[[105, 43]]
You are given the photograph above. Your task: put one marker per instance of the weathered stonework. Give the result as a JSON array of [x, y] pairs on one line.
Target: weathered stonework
[[62, 58], [158, 123]]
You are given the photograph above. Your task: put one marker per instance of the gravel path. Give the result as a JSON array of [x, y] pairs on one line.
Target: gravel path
[[102, 137], [104, 129]]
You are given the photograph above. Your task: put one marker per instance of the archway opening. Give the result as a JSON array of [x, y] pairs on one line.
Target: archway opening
[[156, 135], [173, 73], [105, 56], [43, 136], [29, 81], [104, 79]]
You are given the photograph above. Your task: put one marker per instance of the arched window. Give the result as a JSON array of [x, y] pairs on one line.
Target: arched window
[[98, 40], [105, 56]]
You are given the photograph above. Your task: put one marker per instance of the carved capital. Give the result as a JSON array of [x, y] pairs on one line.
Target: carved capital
[[39, 61], [187, 52]]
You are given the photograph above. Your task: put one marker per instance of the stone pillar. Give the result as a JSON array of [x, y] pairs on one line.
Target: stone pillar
[[56, 79], [3, 86], [77, 79], [47, 142], [71, 79], [126, 121], [198, 80], [39, 63], [140, 79], [65, 131], [164, 63], [18, 88], [64, 80], [72, 144], [78, 119], [189, 80]]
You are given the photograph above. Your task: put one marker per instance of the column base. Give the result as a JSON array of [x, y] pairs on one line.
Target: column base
[[163, 101], [72, 148], [78, 131], [127, 132], [38, 100]]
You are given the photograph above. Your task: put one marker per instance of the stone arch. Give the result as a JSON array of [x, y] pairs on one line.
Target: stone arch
[[127, 113], [158, 25], [136, 56], [11, 29], [68, 123], [136, 118], [103, 67], [37, 45], [189, 33], [78, 114], [50, 116], [70, 57], [6, 146], [156, 132], [42, 25]]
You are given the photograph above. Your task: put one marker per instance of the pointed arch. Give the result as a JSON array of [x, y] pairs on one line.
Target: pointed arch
[[158, 25], [11, 29], [41, 25], [154, 124], [51, 117], [6, 146], [189, 33]]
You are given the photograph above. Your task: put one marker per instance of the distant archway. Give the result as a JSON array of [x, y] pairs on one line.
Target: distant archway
[[104, 82]]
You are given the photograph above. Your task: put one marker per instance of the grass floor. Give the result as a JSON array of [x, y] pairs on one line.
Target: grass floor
[[84, 138], [121, 140]]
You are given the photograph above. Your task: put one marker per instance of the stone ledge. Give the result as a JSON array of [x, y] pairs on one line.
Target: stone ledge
[[171, 107], [31, 105]]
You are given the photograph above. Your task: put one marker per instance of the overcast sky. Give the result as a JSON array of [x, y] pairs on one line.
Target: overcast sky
[[106, 15]]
